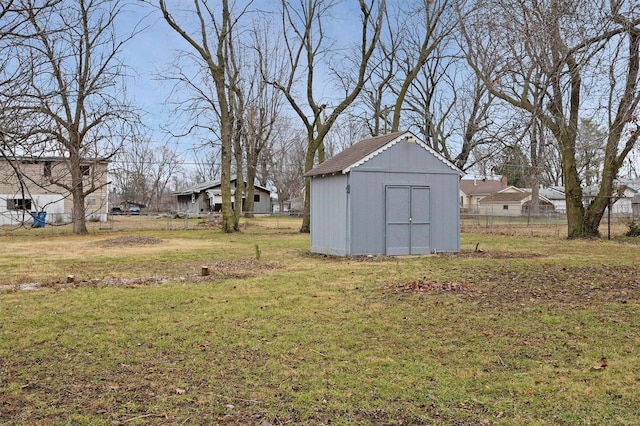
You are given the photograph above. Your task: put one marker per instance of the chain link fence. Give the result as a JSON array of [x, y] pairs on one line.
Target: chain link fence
[[553, 225], [538, 226]]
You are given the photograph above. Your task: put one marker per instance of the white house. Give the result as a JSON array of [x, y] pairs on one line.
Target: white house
[[556, 195], [474, 190], [512, 201]]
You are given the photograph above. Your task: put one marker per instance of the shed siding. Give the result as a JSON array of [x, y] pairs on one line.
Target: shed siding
[[354, 223], [403, 164], [329, 215], [368, 207]]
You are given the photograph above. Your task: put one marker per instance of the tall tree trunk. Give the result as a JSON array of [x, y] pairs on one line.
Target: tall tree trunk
[[576, 225], [240, 186], [217, 64], [226, 153], [225, 180], [306, 215], [77, 193], [249, 202]]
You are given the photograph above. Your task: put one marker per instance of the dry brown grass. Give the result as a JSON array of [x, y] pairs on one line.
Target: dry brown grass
[[512, 334]]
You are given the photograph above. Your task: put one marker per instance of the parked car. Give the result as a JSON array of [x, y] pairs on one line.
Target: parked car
[[116, 210], [134, 210]]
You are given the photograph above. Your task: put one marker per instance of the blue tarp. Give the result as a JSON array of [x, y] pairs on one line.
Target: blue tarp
[[39, 219]]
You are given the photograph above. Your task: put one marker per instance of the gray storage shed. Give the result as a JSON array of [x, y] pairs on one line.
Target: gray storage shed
[[389, 194]]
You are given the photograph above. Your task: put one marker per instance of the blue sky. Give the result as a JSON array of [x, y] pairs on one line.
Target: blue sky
[[154, 49], [147, 55]]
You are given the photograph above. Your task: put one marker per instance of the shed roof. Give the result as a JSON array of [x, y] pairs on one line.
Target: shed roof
[[366, 149]]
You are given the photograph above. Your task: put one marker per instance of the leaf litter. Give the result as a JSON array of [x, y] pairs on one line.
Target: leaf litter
[[512, 283]]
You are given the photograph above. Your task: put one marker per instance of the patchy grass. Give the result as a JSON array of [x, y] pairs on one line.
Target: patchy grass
[[513, 333]]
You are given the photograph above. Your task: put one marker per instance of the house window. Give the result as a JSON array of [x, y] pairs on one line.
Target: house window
[[505, 207], [46, 171], [86, 171], [90, 201], [256, 198], [19, 204]]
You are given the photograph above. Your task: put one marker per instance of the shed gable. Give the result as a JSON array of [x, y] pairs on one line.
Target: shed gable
[[369, 149], [410, 153]]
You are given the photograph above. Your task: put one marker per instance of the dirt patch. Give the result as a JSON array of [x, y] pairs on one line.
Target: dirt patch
[[432, 287], [214, 221], [131, 240], [539, 284], [220, 270]]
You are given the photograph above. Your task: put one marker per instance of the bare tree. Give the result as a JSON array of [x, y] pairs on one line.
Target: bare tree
[[374, 107], [16, 71], [260, 119], [207, 163], [344, 133], [143, 171], [263, 104], [129, 174], [422, 83], [590, 143], [473, 111], [307, 50], [75, 96], [212, 41], [427, 28], [538, 56], [286, 159]]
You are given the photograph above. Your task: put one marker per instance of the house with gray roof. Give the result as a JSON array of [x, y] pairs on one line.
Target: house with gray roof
[[390, 194], [556, 195], [206, 198]]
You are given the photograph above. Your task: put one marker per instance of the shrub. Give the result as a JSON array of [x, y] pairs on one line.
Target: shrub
[[634, 228]]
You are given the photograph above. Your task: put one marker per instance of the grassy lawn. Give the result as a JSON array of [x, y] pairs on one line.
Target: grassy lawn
[[514, 334]]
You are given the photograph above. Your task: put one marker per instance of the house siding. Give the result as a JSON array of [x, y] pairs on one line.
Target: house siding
[[497, 209], [198, 204], [264, 205], [329, 215], [48, 197]]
